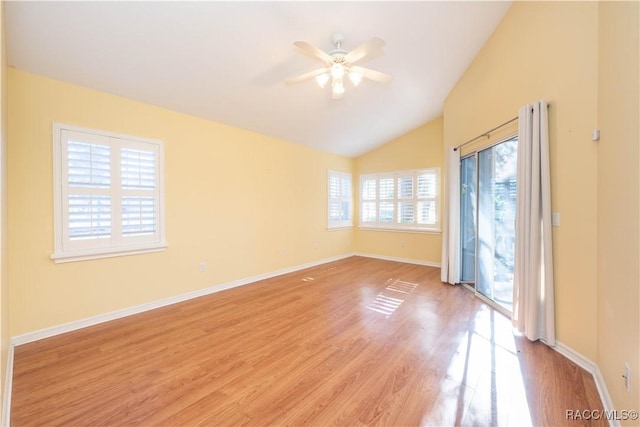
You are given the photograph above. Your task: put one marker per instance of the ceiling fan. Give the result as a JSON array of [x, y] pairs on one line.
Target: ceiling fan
[[340, 63]]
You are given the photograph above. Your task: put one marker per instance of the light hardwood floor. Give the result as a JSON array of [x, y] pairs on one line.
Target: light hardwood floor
[[354, 342]]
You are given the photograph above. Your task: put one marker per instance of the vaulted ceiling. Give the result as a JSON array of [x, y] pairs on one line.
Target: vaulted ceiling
[[227, 61]]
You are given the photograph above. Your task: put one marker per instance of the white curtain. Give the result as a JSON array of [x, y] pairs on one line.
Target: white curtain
[[533, 312], [450, 264]]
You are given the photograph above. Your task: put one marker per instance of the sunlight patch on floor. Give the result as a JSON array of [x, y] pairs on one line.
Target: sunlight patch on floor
[[388, 301], [401, 286], [486, 362]]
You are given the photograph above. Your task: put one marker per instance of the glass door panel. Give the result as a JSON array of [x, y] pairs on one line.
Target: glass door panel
[[468, 229], [496, 222]]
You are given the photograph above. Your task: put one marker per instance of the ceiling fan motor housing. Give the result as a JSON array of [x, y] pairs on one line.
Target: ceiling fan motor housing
[[338, 53]]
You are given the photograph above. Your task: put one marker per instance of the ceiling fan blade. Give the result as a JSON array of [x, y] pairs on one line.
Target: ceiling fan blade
[[315, 52], [372, 74], [306, 76], [363, 50]]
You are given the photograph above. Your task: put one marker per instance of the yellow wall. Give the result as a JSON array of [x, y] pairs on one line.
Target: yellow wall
[[547, 50], [270, 213], [421, 148], [244, 203], [618, 199], [4, 286]]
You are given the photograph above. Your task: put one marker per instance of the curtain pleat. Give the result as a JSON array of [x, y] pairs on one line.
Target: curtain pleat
[[450, 264], [533, 293]]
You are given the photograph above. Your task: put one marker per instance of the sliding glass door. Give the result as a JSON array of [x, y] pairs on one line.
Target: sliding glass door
[[488, 206]]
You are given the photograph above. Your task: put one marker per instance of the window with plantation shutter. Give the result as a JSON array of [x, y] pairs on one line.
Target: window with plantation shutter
[[405, 200], [340, 201], [108, 194]]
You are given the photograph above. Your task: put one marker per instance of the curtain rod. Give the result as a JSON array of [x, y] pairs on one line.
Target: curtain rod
[[488, 133]]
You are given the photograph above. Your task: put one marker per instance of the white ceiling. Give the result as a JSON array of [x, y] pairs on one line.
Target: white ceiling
[[227, 61]]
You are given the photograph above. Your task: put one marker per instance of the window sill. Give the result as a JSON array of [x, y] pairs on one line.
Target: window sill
[[400, 230], [339, 227], [84, 255]]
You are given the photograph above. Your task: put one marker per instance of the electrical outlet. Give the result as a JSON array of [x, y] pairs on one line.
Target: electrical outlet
[[627, 376], [203, 267]]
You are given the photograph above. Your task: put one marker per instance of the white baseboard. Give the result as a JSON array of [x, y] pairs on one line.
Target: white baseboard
[[574, 356], [8, 387], [592, 368], [405, 260], [101, 318]]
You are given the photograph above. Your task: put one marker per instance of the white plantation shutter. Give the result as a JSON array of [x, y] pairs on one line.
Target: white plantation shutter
[[403, 200], [386, 187], [369, 203], [406, 212], [89, 165], [89, 216], [138, 216], [405, 187], [107, 194], [369, 187], [386, 212], [406, 203], [340, 200], [86, 200], [427, 198], [88, 172], [334, 198], [138, 169]]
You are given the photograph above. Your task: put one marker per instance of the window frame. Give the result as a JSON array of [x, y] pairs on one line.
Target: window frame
[[339, 224], [66, 249], [394, 224]]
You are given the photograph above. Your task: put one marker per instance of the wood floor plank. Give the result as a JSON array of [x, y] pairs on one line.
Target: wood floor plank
[[354, 342]]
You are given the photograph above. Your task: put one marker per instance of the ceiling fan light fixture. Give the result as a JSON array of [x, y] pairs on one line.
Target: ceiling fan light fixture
[[355, 77], [337, 71], [322, 80], [338, 88]]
